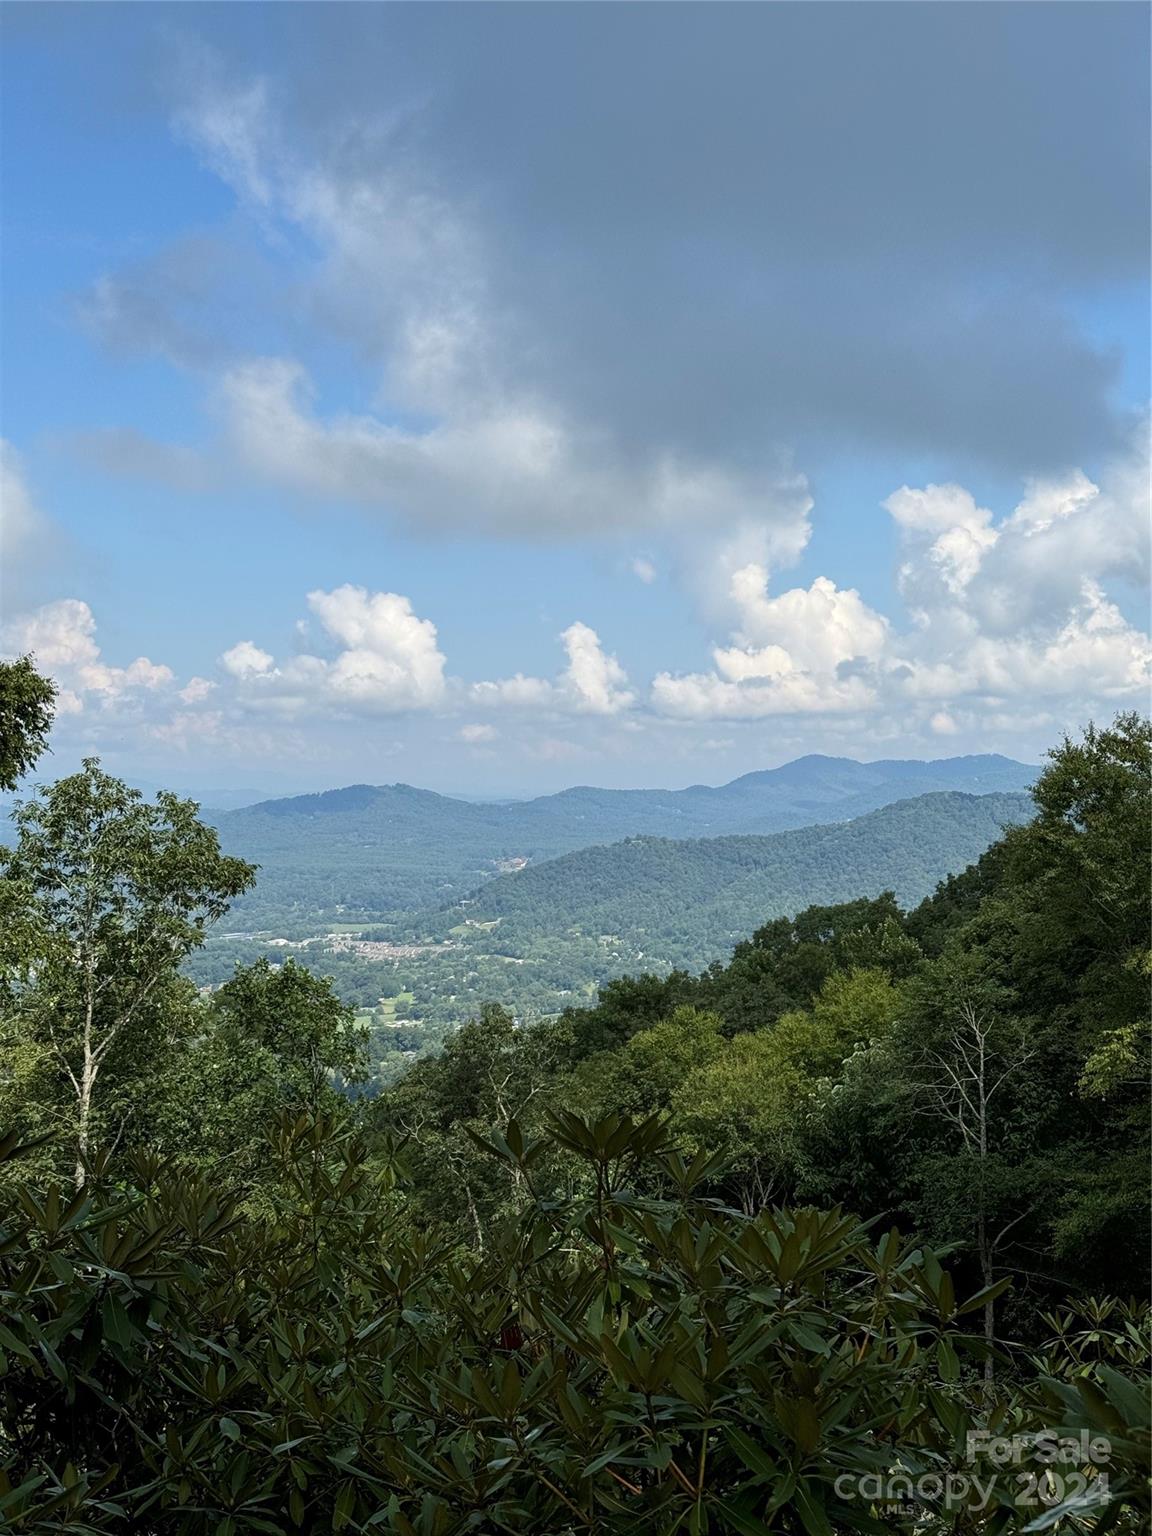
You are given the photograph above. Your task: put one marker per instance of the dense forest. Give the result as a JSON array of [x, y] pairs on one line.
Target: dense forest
[[846, 1233], [686, 901]]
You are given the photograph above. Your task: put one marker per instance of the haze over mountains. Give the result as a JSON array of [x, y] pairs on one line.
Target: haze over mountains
[[371, 850]]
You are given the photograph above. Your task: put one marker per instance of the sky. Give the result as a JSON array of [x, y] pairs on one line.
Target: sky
[[499, 397]]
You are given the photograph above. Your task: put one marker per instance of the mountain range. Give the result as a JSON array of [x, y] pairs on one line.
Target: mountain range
[[373, 850]]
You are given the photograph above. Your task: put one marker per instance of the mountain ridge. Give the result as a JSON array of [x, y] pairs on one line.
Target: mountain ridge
[[678, 893], [371, 850], [783, 772]]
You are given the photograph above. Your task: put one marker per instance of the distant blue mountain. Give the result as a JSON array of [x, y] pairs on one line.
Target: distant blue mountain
[[372, 849]]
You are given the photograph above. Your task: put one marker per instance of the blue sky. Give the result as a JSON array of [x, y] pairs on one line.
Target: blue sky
[[498, 397]]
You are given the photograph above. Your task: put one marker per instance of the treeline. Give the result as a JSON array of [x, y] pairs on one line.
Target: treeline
[[670, 1263]]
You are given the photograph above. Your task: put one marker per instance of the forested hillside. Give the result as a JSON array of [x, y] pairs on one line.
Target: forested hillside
[[536, 939], [683, 903], [368, 851], [792, 1245]]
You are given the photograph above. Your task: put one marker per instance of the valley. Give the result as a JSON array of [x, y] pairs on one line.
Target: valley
[[549, 934]]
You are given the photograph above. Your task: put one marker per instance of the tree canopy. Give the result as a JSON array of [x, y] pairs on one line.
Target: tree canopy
[[27, 700]]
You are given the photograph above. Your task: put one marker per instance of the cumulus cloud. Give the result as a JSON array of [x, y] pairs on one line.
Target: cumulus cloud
[[246, 660], [387, 660], [478, 735], [196, 690], [517, 692], [596, 682], [957, 534], [593, 682], [807, 651], [819, 627], [1000, 610], [708, 696], [1093, 653], [1030, 567], [1020, 606], [62, 638]]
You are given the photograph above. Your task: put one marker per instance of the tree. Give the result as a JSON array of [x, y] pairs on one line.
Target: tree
[[785, 963], [108, 895], [26, 710], [751, 1099], [961, 1078], [1080, 870], [1069, 936], [490, 1071], [271, 1039], [656, 1061]]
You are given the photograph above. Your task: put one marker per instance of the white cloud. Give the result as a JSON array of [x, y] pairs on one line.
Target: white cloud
[[518, 692], [706, 696], [1011, 621], [246, 660], [387, 660], [644, 570], [803, 652], [1025, 572], [478, 735], [1094, 653], [1000, 611], [391, 656], [1018, 609], [593, 680], [593, 683], [819, 627], [196, 690], [62, 638], [963, 534]]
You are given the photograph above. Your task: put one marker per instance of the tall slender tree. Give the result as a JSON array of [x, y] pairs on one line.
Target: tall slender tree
[[109, 894]]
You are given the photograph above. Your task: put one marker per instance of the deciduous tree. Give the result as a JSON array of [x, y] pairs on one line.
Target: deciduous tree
[[110, 893]]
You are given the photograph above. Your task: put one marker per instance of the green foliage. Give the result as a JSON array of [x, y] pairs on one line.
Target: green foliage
[[269, 1041], [563, 1276], [846, 1040], [26, 711], [490, 1071], [104, 896], [657, 1061], [612, 1363]]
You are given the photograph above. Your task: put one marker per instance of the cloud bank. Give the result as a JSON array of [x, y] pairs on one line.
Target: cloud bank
[[1008, 621]]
